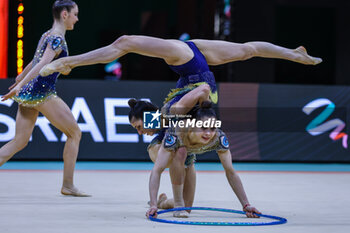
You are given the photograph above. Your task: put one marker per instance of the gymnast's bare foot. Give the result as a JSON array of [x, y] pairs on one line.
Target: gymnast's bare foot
[[304, 58], [164, 202], [73, 192], [181, 214], [161, 199], [55, 66]]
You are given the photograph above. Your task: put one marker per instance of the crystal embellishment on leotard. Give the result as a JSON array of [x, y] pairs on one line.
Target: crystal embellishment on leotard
[[56, 42], [224, 141], [170, 140], [217, 143]]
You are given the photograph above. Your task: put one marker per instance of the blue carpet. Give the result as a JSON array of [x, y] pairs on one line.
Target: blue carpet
[[200, 166]]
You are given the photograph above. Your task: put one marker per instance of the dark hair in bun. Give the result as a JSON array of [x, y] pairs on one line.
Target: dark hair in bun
[[132, 103], [206, 105], [61, 5], [204, 110], [138, 107]]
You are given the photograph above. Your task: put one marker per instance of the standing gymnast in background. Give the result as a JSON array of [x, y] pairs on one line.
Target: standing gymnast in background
[[35, 93]]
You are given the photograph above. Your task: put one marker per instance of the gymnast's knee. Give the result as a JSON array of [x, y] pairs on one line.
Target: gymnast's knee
[[74, 133], [248, 51], [77, 134], [181, 154], [20, 142], [123, 43]]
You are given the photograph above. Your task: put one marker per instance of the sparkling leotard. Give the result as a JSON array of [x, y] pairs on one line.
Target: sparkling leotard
[[192, 74], [173, 140], [41, 88]]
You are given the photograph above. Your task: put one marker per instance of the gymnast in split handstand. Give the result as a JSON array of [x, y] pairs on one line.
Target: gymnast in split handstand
[[189, 59]]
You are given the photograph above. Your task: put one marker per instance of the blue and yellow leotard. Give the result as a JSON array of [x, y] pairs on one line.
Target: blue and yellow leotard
[[192, 74], [41, 88], [173, 140]]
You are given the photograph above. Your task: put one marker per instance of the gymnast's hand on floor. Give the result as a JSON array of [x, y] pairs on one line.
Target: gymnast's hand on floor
[[152, 211], [251, 211]]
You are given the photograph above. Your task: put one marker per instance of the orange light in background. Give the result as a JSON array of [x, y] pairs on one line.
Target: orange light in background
[[19, 43], [20, 63], [20, 8], [20, 31], [20, 20], [4, 10], [20, 49], [20, 35], [19, 56]]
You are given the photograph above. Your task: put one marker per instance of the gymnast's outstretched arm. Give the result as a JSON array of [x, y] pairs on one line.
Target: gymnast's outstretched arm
[[236, 184], [188, 101], [154, 180]]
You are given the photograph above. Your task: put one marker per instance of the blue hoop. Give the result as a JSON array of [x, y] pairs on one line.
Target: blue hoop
[[280, 220]]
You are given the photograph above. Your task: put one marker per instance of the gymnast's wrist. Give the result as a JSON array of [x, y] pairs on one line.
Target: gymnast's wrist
[[246, 205], [153, 204]]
